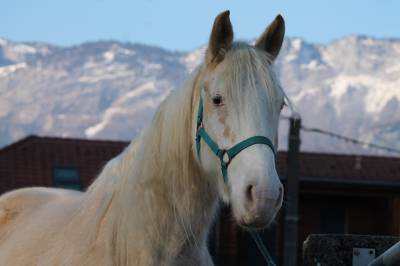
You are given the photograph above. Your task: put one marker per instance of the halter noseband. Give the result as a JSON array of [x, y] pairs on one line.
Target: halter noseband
[[225, 155]]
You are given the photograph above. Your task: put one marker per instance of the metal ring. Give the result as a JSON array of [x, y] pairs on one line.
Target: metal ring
[[225, 157]]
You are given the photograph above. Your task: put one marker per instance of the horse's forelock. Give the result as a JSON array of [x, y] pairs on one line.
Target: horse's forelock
[[246, 66]]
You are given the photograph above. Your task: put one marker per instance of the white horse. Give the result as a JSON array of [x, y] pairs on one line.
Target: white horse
[[155, 202]]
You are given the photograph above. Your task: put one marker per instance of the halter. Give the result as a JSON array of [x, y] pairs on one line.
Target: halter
[[225, 158], [225, 155]]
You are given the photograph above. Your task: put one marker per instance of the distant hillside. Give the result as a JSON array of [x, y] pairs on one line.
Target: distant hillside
[[111, 89]]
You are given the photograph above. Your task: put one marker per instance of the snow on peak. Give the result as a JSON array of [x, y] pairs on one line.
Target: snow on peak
[[296, 43], [24, 49], [3, 42], [6, 70], [116, 50], [194, 58], [109, 56]]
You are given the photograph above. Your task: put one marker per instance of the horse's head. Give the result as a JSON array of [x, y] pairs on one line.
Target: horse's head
[[241, 98]]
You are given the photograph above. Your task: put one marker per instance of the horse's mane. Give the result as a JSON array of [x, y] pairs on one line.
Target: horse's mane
[[161, 157], [163, 141]]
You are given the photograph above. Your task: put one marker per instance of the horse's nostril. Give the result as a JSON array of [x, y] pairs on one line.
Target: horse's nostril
[[280, 196], [250, 193]]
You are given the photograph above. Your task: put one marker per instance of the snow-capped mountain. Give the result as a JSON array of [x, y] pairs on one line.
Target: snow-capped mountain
[[351, 86], [111, 89]]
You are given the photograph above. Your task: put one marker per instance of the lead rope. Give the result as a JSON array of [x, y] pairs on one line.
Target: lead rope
[[225, 157], [262, 248]]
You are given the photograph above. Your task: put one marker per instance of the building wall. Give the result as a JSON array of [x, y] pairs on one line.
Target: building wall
[[32, 162]]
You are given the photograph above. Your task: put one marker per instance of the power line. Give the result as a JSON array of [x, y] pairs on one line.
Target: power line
[[351, 140], [344, 138]]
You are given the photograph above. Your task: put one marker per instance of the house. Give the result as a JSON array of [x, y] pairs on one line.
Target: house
[[338, 193], [54, 162]]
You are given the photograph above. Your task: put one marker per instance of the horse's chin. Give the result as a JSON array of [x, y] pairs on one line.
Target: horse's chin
[[255, 225]]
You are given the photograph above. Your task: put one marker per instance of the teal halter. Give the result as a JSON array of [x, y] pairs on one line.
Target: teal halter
[[225, 156]]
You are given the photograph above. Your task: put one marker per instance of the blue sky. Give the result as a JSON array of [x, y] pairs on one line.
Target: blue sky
[[184, 25]]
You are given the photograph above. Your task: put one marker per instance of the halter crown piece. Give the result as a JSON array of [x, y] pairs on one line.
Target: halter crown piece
[[225, 156]]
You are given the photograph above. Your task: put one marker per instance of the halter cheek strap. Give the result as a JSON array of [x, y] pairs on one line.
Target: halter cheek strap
[[225, 155]]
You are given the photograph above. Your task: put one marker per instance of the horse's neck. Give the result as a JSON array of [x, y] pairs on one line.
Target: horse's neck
[[157, 208], [159, 215]]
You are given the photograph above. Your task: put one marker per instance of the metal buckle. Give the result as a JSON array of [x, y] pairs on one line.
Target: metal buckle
[[224, 157], [199, 125]]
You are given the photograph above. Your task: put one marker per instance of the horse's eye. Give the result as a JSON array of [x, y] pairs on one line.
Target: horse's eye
[[283, 105], [217, 100]]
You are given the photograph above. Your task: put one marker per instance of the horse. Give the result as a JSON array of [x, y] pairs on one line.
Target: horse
[[155, 202]]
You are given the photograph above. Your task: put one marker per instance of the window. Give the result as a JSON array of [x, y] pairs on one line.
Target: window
[[67, 177]]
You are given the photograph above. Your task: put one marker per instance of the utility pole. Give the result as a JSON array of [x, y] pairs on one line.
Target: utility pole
[[292, 194]]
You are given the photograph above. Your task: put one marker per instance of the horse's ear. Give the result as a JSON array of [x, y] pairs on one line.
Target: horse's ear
[[220, 39], [272, 38]]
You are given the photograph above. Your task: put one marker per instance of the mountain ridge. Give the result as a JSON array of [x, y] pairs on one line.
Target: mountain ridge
[[93, 89]]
